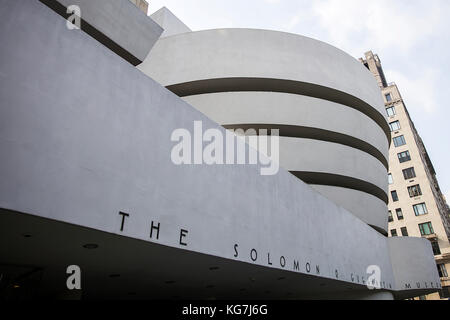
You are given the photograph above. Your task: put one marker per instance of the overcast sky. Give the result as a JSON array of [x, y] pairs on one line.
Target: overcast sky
[[411, 37]]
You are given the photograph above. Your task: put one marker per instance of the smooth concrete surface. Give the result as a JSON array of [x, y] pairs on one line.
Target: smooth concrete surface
[[169, 22], [120, 21], [143, 270], [374, 295], [278, 109], [411, 267], [261, 54], [249, 82], [308, 155], [84, 136], [367, 207]]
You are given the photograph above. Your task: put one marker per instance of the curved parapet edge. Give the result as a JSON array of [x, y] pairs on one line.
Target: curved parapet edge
[[414, 267], [223, 60], [118, 24], [295, 116], [82, 148]]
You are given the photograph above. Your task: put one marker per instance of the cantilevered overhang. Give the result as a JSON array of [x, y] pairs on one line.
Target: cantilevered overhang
[[85, 142], [117, 24]]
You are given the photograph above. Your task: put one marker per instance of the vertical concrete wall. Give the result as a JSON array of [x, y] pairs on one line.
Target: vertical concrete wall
[[84, 135]]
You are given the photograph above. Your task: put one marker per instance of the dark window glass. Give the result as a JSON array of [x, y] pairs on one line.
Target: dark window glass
[[404, 157], [426, 229], [388, 97], [394, 233], [405, 232], [436, 248], [444, 293], [391, 218], [409, 173], [394, 196], [420, 209], [414, 191], [399, 214], [399, 141], [442, 271]]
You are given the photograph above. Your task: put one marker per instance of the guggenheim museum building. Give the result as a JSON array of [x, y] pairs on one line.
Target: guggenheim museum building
[[91, 93]]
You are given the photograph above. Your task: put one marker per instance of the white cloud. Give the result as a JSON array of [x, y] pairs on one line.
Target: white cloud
[[399, 25], [292, 23], [419, 91]]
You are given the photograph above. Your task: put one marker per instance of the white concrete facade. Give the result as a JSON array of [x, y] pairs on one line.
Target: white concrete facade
[[323, 101], [86, 160]]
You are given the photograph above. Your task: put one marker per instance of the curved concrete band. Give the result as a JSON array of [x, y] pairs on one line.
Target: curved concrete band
[[119, 25], [78, 148], [326, 105], [296, 116], [365, 206], [294, 62], [307, 155]]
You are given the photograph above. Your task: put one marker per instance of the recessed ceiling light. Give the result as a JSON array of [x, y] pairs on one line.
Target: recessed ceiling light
[[90, 246]]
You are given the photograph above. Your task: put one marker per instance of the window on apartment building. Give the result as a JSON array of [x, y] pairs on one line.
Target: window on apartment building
[[405, 232], [426, 229], [444, 293], [399, 141], [394, 233], [409, 173], [394, 196], [390, 217], [404, 157], [442, 271], [436, 248], [414, 191], [390, 179], [395, 125], [388, 97], [399, 213], [391, 111], [420, 209]]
